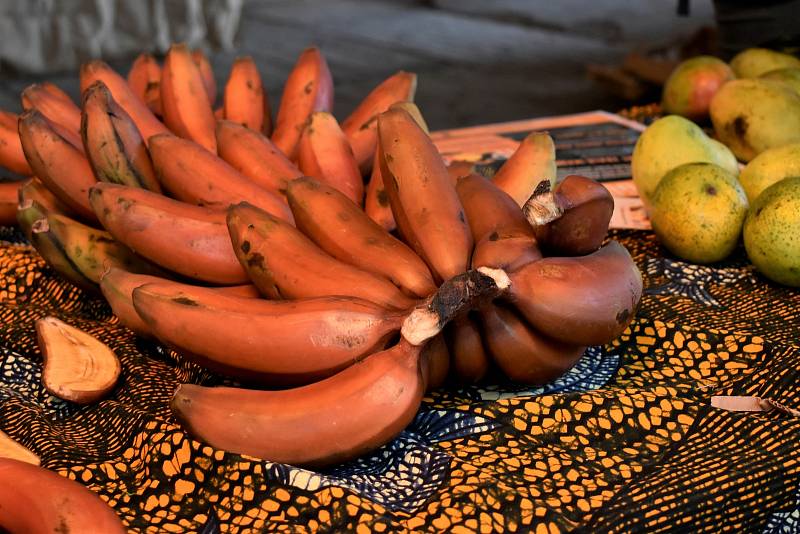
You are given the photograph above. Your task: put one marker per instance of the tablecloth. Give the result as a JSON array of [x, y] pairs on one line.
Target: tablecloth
[[626, 441]]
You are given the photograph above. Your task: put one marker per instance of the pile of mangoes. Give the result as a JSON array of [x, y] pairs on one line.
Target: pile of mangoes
[[699, 197]]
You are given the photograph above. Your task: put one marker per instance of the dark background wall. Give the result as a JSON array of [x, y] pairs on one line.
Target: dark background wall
[[478, 61]]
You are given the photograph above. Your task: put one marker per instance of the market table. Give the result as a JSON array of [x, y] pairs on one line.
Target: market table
[[628, 440]]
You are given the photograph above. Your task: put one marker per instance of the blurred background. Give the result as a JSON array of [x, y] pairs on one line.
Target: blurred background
[[478, 61]]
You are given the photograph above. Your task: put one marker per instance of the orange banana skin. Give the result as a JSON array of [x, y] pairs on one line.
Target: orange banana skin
[[503, 237], [436, 358], [585, 300], [35, 500], [328, 422], [186, 239], [144, 79], [207, 73], [53, 104], [33, 190], [376, 203], [113, 145], [424, 201], [308, 88], [325, 154], [245, 101], [9, 197], [11, 155], [469, 359], [254, 156], [361, 127], [343, 230], [277, 343], [582, 209], [147, 123], [522, 353], [532, 162], [196, 176], [58, 164], [285, 264], [117, 286], [187, 109]]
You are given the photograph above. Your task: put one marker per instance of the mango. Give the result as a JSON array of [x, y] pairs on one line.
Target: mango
[[769, 167], [698, 211], [772, 232], [789, 76], [669, 142], [751, 116], [692, 84], [754, 62]]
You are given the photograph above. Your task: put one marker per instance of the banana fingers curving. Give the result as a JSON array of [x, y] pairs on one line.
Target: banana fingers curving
[[186, 239], [112, 142], [343, 230], [284, 263], [534, 161], [11, 155], [245, 100], [144, 79]]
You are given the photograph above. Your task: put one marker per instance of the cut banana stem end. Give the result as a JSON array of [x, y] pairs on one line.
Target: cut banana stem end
[[458, 294]]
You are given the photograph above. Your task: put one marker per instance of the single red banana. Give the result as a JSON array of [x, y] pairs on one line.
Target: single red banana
[[190, 240], [113, 145], [144, 79], [254, 156], [328, 422], [245, 100], [61, 166], [277, 343], [325, 154], [424, 201], [584, 300], [187, 109], [308, 88], [469, 360]]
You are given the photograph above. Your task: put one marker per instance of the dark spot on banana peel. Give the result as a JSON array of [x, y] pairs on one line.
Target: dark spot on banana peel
[[186, 301], [494, 236], [342, 216], [623, 316], [256, 260], [309, 87], [369, 122], [151, 86], [383, 198], [461, 217], [388, 157], [245, 246], [349, 341]]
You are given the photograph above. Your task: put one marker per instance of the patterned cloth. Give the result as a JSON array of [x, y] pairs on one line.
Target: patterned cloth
[[626, 441]]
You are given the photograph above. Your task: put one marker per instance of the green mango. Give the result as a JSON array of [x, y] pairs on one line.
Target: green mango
[[669, 142], [789, 76], [769, 167], [754, 62], [753, 115], [692, 84], [772, 232], [698, 211]]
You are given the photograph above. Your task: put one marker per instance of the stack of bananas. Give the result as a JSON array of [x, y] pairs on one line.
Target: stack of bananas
[[256, 249]]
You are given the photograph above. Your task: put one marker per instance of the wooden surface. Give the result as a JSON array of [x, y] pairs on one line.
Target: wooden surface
[[473, 67]]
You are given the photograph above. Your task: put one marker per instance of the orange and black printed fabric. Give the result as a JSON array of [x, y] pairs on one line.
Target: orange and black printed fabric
[[626, 441]]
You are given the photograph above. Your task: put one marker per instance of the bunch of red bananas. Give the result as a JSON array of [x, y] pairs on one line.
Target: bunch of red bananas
[[345, 262]]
